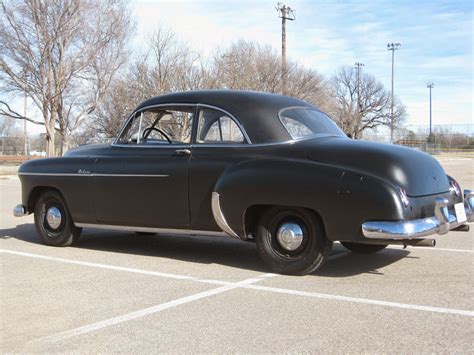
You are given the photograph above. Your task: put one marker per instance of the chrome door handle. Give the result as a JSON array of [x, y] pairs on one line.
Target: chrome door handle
[[182, 152]]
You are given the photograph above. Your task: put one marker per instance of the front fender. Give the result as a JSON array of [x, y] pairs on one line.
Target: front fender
[[71, 176]]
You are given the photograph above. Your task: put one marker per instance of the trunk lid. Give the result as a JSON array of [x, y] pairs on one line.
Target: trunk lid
[[416, 172]]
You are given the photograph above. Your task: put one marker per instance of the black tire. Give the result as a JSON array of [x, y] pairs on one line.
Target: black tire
[[64, 234], [145, 233], [363, 248], [309, 255]]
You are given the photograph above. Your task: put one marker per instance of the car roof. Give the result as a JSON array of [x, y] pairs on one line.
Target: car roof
[[256, 111]]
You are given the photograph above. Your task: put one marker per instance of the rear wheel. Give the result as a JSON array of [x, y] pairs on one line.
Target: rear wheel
[[364, 248], [292, 241], [53, 222]]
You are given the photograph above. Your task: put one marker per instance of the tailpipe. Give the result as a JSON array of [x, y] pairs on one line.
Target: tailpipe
[[421, 242], [427, 242]]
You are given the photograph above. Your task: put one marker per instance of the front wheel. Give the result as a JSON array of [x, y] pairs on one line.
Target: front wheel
[[53, 222], [362, 248], [292, 241]]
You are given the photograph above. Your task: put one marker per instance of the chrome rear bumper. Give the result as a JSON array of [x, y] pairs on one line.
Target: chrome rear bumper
[[441, 223]]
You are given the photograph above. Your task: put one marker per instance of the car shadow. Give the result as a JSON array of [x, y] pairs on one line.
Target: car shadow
[[351, 264], [211, 250]]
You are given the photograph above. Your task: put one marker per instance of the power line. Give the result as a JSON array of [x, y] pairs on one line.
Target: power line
[[285, 13]]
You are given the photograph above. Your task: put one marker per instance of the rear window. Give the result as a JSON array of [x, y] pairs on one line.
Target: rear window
[[301, 122]]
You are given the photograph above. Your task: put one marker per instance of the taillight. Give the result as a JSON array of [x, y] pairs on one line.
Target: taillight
[[454, 187]]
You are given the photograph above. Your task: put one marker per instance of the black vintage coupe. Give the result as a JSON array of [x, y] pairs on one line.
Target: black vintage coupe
[[252, 166]]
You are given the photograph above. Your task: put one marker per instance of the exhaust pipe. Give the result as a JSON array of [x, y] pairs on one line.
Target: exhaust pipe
[[427, 242], [461, 228], [421, 243]]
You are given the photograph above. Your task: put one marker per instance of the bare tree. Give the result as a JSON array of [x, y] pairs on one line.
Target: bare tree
[[251, 66], [362, 103], [63, 54], [7, 127], [168, 65]]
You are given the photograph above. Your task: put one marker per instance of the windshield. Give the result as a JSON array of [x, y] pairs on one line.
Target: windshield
[[301, 122]]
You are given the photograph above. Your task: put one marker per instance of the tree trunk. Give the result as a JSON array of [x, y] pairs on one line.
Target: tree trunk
[[50, 146], [64, 147], [50, 135]]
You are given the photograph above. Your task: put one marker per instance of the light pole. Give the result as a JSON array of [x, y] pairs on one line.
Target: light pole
[[392, 47], [285, 13], [430, 86], [358, 68]]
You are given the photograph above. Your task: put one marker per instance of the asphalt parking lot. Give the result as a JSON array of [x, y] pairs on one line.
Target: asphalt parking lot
[[121, 292]]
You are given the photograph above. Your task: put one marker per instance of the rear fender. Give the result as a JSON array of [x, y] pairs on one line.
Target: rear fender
[[307, 184]]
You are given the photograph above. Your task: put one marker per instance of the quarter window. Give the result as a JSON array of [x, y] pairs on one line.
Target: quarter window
[[160, 125], [216, 127]]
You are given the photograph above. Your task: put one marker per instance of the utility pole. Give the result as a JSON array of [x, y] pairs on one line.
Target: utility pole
[[358, 68], [285, 13], [430, 86], [392, 47]]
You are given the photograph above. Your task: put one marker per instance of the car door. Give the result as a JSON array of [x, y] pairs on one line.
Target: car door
[[143, 182], [220, 142]]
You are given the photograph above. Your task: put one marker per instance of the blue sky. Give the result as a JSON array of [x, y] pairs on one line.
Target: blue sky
[[436, 38]]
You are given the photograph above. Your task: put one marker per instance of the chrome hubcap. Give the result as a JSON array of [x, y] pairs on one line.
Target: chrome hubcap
[[290, 236], [53, 217]]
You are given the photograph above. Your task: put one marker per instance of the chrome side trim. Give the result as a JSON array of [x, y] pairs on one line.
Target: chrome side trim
[[219, 216], [130, 175], [94, 175], [19, 211], [152, 230], [52, 174], [441, 223]]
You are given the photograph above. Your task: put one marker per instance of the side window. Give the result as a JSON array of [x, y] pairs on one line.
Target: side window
[[170, 125], [215, 126]]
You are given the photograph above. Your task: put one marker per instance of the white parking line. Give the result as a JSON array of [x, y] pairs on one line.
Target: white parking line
[[362, 300], [400, 247], [151, 310], [255, 287], [446, 249], [396, 247], [117, 268]]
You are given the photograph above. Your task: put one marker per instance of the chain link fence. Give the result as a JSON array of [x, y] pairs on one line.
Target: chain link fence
[[452, 139]]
